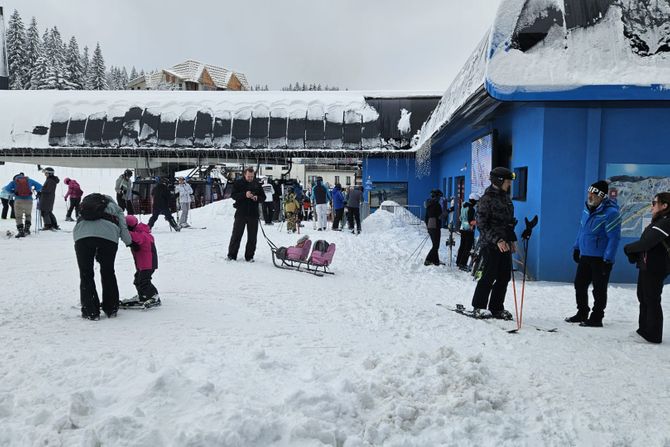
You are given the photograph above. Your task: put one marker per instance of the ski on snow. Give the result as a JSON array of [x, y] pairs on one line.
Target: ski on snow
[[461, 310]]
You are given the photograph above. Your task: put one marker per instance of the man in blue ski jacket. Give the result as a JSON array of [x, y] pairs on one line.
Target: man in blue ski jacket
[[594, 252]]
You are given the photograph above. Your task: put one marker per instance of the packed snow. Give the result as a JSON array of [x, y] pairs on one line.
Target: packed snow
[[250, 355]]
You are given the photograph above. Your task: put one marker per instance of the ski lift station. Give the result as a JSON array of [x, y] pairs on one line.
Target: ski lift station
[[564, 92]]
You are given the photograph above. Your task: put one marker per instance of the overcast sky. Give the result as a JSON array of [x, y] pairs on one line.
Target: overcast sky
[[355, 44]]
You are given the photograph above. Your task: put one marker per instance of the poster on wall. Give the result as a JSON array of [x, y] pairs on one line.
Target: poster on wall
[[382, 191], [633, 186], [482, 159]]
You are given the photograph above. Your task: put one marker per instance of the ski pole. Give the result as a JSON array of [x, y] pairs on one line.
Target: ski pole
[[516, 308], [523, 282]]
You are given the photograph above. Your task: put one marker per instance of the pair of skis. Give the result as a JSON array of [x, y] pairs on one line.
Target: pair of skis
[[461, 310]]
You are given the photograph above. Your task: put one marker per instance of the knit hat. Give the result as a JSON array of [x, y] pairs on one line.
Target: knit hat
[[66, 180], [600, 188], [131, 221], [48, 171], [474, 197]]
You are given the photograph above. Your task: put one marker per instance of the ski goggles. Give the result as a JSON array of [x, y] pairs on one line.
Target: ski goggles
[[596, 191]]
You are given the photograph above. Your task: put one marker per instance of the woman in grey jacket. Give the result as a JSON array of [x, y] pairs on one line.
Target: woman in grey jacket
[[98, 240]]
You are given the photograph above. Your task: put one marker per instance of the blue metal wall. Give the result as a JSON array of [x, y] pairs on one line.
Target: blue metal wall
[[566, 147], [400, 169]]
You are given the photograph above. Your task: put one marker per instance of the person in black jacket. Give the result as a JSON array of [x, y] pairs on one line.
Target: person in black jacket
[[652, 256], [161, 204], [495, 220], [47, 198], [433, 223], [247, 194]]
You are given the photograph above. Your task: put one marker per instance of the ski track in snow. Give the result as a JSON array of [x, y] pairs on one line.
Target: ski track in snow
[[249, 355]]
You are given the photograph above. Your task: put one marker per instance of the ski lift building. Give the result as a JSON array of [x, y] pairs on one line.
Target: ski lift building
[[563, 92]]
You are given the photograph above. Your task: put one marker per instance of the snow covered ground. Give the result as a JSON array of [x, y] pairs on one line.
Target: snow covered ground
[[249, 355]]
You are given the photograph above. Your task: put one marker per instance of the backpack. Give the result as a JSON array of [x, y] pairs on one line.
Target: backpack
[[22, 187], [321, 246], [93, 206]]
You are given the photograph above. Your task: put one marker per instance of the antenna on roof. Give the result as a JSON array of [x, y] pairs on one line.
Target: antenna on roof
[[4, 70]]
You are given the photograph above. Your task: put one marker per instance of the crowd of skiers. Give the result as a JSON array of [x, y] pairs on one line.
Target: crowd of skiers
[[19, 195], [298, 205], [594, 251]]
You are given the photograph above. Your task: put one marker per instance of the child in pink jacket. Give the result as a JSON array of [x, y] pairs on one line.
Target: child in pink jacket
[[75, 193], [146, 262]]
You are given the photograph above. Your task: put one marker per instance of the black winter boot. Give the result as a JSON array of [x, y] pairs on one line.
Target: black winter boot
[[595, 320], [579, 317], [27, 228], [20, 233]]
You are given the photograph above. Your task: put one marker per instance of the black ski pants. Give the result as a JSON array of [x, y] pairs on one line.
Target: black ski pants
[[434, 253], [166, 213], [354, 214], [495, 277], [74, 206], [649, 290], [6, 205], [467, 241], [338, 218], [590, 271], [126, 205], [92, 249], [268, 210], [251, 224], [143, 284]]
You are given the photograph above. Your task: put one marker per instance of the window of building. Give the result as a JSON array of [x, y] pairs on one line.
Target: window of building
[[337, 179], [348, 180], [520, 184], [268, 168]]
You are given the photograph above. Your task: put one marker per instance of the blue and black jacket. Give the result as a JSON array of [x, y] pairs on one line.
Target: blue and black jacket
[[600, 231]]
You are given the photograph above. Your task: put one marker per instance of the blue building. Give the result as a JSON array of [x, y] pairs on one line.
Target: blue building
[[564, 93]]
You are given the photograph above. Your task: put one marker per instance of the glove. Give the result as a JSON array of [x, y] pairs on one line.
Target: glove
[[632, 258], [134, 246], [607, 267], [575, 255], [526, 233], [38, 194]]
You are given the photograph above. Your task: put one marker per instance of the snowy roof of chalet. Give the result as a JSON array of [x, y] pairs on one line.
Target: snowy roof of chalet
[[565, 50], [191, 71]]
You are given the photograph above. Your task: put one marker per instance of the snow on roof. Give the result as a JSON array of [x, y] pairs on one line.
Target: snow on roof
[[30, 109], [192, 71], [564, 50]]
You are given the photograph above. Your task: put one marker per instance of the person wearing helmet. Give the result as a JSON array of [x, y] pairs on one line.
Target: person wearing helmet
[[433, 219], [47, 198], [496, 222], [123, 188], [467, 231]]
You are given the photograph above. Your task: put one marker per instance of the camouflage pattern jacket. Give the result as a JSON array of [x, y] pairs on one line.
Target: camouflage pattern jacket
[[495, 217]]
